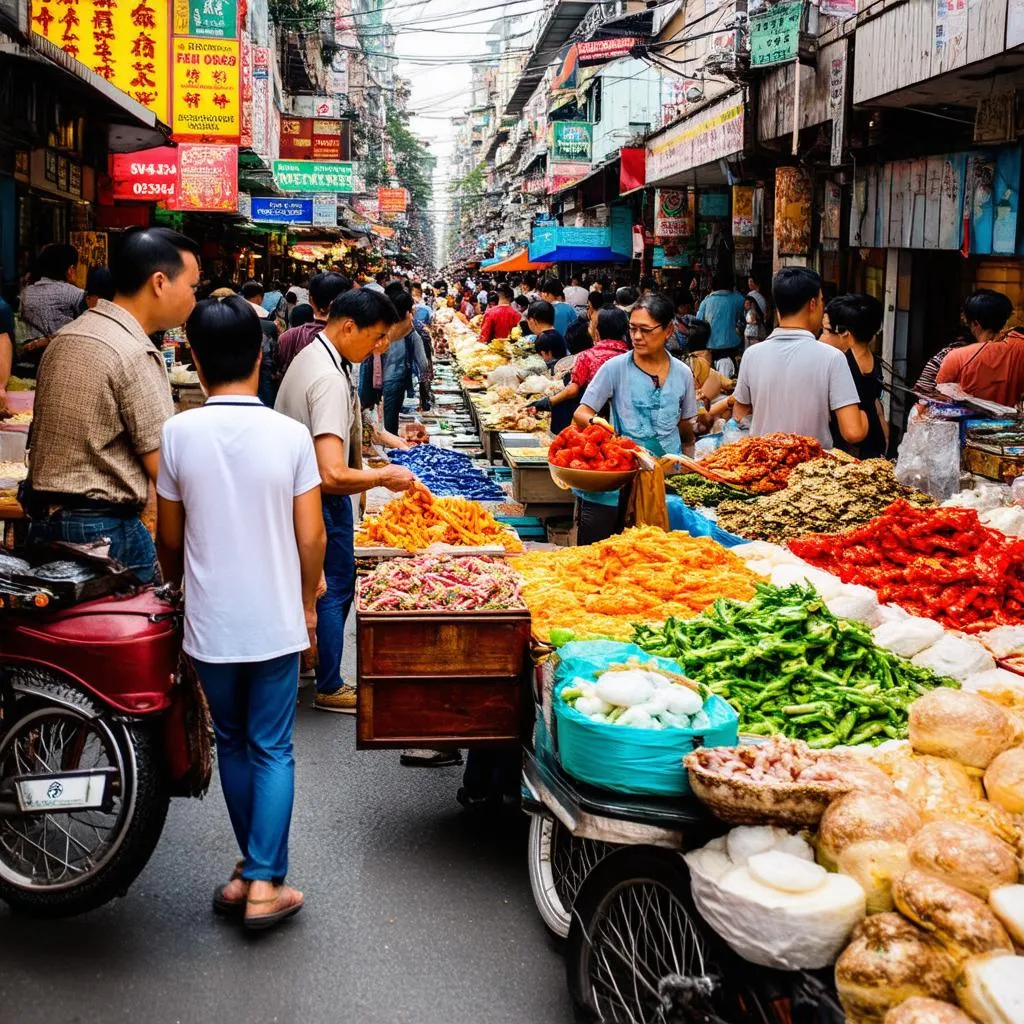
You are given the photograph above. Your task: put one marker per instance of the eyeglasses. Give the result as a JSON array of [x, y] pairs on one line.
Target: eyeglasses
[[644, 331]]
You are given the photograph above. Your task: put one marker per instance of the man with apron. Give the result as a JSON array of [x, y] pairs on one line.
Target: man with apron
[[317, 392]]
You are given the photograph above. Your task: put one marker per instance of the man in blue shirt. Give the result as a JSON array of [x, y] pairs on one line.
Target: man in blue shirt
[[421, 315], [722, 308], [565, 315]]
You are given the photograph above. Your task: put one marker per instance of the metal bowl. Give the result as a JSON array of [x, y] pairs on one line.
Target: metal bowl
[[590, 480]]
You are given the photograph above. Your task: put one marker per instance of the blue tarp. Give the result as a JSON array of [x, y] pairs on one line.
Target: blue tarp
[[688, 520]]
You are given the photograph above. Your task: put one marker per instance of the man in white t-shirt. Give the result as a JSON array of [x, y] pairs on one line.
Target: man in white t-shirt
[[317, 392], [791, 382], [576, 295], [239, 519]]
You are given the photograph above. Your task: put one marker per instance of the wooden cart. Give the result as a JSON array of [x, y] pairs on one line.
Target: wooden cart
[[431, 678]]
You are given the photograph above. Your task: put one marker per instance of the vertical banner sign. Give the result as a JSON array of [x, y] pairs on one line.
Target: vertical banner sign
[[743, 211], [245, 124], [261, 99], [206, 90], [775, 35], [207, 19], [792, 211], [127, 42], [673, 213], [837, 102], [207, 178]]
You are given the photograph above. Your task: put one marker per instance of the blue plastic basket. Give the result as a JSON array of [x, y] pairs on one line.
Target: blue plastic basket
[[646, 762]]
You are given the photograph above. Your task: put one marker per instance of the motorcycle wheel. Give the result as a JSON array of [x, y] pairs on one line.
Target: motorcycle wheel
[[60, 864], [559, 863], [638, 951]]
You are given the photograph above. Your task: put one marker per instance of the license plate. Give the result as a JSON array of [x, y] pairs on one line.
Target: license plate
[[78, 791]]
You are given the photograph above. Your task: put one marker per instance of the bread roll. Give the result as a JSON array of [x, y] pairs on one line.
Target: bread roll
[[1004, 780], [964, 924], [873, 864], [888, 961], [959, 725], [991, 988], [1007, 904], [929, 784], [920, 1010], [965, 856], [860, 816]]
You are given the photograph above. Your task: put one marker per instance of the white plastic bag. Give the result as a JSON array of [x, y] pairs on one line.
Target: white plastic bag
[[929, 457]]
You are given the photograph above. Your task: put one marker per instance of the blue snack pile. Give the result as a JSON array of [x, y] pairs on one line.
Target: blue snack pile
[[447, 473]]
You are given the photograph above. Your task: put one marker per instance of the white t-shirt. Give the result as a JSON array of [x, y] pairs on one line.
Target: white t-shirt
[[793, 382], [237, 466], [576, 296]]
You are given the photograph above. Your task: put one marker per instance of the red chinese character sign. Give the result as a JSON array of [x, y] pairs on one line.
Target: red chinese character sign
[[127, 42], [207, 179], [206, 90]]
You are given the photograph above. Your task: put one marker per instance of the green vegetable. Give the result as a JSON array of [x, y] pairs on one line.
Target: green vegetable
[[699, 492], [788, 665]]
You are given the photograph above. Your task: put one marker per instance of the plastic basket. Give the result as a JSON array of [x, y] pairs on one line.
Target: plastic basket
[[645, 762]]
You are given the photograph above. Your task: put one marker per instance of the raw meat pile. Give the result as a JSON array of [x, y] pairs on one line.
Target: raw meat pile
[[780, 760]]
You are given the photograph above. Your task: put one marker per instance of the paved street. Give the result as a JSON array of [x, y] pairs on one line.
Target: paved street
[[414, 914]]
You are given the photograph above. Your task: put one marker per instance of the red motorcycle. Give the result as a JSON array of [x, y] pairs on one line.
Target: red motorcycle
[[97, 731]]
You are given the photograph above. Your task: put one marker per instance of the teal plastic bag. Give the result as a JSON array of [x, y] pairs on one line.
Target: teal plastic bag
[[644, 762]]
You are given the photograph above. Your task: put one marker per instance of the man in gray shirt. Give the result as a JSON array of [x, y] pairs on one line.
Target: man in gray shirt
[[792, 382]]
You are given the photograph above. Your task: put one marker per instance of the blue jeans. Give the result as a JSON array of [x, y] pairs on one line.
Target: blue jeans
[[253, 709], [332, 609], [394, 399], [130, 542]]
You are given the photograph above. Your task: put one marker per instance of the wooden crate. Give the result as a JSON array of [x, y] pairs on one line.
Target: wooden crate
[[427, 678], [533, 485]]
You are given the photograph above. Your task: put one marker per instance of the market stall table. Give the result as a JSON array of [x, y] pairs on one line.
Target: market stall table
[[531, 481]]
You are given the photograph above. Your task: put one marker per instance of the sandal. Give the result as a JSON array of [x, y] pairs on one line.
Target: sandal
[[222, 906], [293, 900]]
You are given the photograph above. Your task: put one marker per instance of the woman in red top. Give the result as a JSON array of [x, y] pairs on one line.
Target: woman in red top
[[609, 327]]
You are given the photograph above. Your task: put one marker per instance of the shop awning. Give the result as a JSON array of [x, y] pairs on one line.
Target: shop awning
[[586, 254], [519, 260]]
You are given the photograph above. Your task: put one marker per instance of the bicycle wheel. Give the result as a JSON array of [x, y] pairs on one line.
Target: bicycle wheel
[[638, 951], [559, 863]]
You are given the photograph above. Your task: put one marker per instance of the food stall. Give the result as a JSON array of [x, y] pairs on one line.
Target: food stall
[[783, 774]]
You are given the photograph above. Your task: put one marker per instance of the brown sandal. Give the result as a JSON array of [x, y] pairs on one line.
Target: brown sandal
[[222, 906], [260, 922]]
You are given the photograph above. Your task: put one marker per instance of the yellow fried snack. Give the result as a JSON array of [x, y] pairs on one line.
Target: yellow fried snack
[[418, 519]]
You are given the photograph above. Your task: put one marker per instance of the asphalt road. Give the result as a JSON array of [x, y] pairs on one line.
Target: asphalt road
[[415, 914]]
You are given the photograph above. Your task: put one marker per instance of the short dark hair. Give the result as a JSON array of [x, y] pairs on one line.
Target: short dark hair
[[793, 288], [722, 279], [402, 301], [662, 310], [521, 302], [577, 337], [551, 286], [596, 300], [440, 285], [988, 308], [292, 298], [492, 298], [698, 334], [542, 311], [144, 252], [505, 291], [55, 260], [530, 279], [394, 289], [553, 343], [99, 282], [366, 307], [325, 288], [857, 313], [301, 314], [648, 282], [612, 324], [225, 336], [252, 290], [626, 296]]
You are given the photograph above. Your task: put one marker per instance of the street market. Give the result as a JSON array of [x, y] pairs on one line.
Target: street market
[[483, 541]]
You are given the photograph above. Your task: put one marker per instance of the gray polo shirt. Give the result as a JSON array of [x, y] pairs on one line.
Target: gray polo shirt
[[316, 391], [793, 382]]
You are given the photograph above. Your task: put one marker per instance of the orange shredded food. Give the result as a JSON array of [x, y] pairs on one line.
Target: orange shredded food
[[418, 519], [641, 575]]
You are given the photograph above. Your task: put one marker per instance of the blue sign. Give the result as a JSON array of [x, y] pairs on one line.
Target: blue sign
[[269, 210], [664, 260], [622, 231], [544, 240]]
